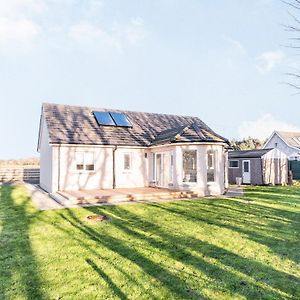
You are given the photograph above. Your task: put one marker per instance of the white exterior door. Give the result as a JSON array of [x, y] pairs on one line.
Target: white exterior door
[[246, 171]]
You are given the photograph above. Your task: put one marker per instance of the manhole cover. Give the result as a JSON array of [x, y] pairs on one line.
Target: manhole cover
[[97, 218]]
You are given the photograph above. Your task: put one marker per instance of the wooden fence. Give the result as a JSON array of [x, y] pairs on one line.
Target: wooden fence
[[11, 175]]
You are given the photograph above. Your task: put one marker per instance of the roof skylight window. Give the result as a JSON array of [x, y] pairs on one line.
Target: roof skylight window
[[112, 119], [104, 118], [120, 119]]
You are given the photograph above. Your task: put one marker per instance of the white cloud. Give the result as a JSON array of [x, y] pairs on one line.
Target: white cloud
[[268, 60], [236, 45], [119, 35], [20, 8], [17, 28], [263, 126], [134, 32], [20, 31], [89, 34]]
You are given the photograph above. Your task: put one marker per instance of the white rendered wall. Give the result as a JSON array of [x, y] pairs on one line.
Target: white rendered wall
[[66, 177], [69, 178], [45, 149], [137, 175]]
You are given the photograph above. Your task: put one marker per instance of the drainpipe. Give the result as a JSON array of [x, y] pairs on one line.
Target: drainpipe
[[114, 166]]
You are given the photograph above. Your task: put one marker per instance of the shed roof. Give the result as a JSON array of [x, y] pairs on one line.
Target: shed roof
[[77, 125], [256, 153]]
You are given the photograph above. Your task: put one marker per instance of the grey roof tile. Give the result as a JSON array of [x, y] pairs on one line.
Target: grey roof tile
[[77, 125]]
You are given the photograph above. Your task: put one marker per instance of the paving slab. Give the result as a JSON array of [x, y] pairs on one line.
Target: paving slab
[[46, 201], [234, 191]]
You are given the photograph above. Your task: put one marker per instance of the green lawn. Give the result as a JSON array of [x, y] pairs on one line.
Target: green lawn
[[198, 249]]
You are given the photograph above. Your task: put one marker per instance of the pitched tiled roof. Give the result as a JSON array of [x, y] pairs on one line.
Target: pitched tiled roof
[[256, 153], [77, 125], [291, 138]]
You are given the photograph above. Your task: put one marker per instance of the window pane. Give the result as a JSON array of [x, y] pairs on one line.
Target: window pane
[[233, 163], [89, 158], [210, 175], [190, 166], [120, 119], [211, 166], [210, 160], [90, 167], [126, 161], [79, 158], [104, 118], [246, 166]]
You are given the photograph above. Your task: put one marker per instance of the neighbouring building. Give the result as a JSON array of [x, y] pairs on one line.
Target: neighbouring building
[[286, 142], [258, 167], [85, 148]]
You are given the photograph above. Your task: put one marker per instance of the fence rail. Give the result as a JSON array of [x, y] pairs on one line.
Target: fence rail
[[10, 175]]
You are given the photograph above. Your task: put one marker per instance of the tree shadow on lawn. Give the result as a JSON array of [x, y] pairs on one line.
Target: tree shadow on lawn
[[278, 229], [285, 196], [179, 248], [170, 281], [110, 283], [18, 267]]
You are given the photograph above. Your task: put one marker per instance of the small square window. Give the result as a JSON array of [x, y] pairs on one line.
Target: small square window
[[233, 164], [85, 161]]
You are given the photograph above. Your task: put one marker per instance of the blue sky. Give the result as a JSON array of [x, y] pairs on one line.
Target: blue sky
[[223, 61]]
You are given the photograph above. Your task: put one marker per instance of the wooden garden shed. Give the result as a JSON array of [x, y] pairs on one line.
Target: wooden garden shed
[[258, 167]]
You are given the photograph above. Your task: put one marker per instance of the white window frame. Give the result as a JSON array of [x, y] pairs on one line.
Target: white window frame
[[213, 167], [230, 160], [84, 170], [130, 161]]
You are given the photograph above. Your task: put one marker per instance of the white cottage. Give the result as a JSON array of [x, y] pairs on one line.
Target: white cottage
[[85, 148], [286, 142]]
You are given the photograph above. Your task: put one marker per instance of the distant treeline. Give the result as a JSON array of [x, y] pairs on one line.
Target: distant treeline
[[247, 144], [34, 161]]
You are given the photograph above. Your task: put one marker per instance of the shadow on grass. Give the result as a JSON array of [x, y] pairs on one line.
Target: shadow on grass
[[172, 282], [18, 267], [235, 274], [107, 279], [276, 229], [180, 248]]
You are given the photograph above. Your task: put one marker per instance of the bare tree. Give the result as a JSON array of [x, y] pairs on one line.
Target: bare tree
[[294, 39]]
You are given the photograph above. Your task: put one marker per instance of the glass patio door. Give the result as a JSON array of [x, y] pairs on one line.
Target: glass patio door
[[162, 169]]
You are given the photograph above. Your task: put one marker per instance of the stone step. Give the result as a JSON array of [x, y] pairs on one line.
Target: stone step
[[133, 197]]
